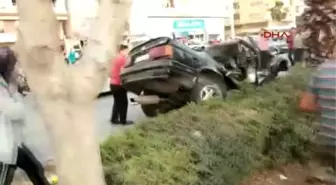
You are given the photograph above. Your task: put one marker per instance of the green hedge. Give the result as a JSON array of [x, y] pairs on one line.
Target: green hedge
[[216, 143]]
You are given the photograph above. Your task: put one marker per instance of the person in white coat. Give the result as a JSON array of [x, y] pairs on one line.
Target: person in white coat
[[13, 153]]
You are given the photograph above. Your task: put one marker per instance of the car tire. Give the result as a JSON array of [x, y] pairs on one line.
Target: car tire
[[208, 87], [153, 110], [150, 110]]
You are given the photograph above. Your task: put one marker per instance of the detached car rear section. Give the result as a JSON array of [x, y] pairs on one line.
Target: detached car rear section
[[166, 75], [155, 69]]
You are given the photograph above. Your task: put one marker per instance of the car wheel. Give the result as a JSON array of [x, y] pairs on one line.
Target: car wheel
[[208, 88], [150, 110]]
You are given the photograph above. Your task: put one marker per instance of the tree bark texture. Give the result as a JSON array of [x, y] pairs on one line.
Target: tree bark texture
[[66, 94], [319, 20]]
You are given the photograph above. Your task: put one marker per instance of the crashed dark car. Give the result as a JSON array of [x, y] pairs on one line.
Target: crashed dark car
[[166, 74], [241, 57]]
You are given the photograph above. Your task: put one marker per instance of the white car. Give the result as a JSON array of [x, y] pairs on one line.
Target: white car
[[106, 87]]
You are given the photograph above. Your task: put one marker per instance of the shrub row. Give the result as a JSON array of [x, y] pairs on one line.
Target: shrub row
[[216, 143]]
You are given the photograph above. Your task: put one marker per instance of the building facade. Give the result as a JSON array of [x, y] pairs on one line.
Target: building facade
[[299, 8], [150, 18], [9, 19], [252, 15], [82, 14]]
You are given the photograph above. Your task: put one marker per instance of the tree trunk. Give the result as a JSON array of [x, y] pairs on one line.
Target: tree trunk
[[67, 94], [319, 20]]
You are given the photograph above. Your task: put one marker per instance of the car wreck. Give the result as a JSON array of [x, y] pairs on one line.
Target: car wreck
[[166, 74]]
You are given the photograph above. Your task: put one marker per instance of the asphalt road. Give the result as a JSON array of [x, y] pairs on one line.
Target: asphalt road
[[36, 138]]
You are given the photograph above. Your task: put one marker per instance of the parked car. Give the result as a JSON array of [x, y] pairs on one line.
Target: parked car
[[166, 74]]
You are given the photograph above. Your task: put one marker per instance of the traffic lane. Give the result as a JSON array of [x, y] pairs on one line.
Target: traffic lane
[[36, 137]]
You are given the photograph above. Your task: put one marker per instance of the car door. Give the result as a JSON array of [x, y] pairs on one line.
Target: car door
[[193, 60]]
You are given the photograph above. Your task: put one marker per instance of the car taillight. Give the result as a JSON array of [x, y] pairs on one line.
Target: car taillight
[[161, 51]]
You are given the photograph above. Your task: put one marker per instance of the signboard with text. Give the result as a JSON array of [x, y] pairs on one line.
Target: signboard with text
[[189, 24]]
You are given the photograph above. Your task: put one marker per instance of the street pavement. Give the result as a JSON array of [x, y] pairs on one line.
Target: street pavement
[[36, 138]]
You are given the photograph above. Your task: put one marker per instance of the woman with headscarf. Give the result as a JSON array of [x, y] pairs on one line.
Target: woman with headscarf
[[13, 153]]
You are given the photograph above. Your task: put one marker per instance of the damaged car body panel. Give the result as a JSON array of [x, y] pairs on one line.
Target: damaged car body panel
[[164, 65]]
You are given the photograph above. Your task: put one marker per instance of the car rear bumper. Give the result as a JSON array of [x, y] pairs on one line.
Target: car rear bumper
[[147, 74]]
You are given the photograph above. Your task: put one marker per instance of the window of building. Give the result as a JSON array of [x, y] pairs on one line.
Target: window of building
[[236, 5], [257, 3], [226, 8], [169, 4], [255, 16], [236, 16]]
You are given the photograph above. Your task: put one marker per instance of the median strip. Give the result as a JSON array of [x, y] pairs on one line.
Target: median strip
[[217, 142]]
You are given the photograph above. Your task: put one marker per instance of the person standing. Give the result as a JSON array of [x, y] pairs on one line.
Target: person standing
[[13, 153], [321, 98], [290, 44], [299, 48], [264, 53], [120, 105]]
